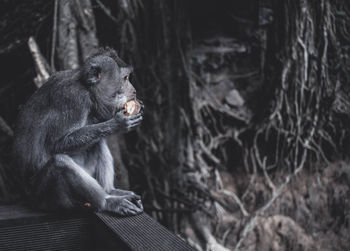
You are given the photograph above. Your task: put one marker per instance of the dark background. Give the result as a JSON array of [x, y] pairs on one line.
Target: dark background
[[245, 138]]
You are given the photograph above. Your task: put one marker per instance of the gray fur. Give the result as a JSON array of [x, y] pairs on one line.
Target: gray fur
[[60, 149]]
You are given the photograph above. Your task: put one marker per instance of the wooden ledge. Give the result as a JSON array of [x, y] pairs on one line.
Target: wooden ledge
[[24, 229]]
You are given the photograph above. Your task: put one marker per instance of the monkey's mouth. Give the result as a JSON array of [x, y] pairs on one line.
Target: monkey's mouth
[[120, 107], [132, 106]]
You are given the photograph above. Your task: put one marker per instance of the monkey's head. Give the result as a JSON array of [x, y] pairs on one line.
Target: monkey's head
[[107, 79]]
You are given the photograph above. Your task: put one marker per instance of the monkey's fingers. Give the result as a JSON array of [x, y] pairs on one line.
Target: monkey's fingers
[[121, 112], [135, 117], [132, 207], [132, 197], [132, 124], [139, 204], [137, 201], [125, 211], [136, 197], [141, 104]]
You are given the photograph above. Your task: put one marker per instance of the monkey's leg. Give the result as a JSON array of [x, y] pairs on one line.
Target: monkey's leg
[[121, 192], [64, 184], [105, 175]]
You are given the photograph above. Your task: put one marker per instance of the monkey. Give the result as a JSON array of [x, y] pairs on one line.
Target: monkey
[[60, 150]]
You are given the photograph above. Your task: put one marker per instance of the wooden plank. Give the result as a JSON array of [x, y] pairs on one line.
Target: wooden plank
[[22, 228], [143, 233]]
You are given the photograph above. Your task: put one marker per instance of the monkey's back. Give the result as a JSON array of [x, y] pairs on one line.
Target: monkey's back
[[46, 116]]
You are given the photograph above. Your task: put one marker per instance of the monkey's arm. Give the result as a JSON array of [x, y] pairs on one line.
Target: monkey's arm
[[90, 134], [83, 137]]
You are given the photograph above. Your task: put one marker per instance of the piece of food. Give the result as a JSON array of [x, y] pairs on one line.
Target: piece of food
[[132, 107], [87, 204]]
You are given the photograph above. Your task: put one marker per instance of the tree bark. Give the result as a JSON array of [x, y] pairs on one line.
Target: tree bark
[[67, 49]]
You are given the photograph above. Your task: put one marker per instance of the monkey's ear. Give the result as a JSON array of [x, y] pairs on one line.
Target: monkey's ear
[[92, 74]]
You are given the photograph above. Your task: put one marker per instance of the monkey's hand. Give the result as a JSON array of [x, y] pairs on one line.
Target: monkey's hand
[[123, 205], [126, 123], [142, 105]]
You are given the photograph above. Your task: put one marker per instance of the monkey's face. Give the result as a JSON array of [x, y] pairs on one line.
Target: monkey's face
[[109, 85], [125, 91]]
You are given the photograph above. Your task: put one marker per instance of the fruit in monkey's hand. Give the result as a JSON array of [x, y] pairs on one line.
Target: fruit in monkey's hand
[[87, 204], [132, 107]]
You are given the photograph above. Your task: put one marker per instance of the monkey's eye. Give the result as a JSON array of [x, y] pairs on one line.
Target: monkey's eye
[[126, 78]]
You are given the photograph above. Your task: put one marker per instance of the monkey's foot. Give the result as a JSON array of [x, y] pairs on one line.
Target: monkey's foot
[[123, 205], [131, 196]]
